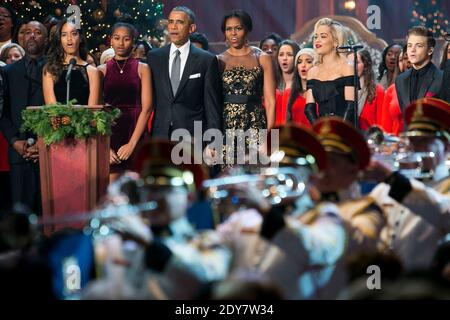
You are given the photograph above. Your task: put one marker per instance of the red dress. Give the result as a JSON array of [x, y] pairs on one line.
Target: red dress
[[369, 113], [391, 120], [297, 111]]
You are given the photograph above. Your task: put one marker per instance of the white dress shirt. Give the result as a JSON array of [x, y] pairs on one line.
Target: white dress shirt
[[184, 53]]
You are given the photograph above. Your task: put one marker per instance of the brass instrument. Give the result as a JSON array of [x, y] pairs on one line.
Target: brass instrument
[[275, 184], [398, 153]]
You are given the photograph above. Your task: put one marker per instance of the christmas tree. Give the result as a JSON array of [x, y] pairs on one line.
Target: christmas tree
[[429, 15], [97, 16]]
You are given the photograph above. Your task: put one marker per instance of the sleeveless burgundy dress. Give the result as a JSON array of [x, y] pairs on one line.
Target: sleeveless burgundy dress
[[123, 91]]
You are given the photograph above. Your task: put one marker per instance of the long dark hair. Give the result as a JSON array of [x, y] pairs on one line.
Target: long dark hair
[[296, 89], [368, 75], [55, 56], [295, 48], [382, 67], [444, 56]]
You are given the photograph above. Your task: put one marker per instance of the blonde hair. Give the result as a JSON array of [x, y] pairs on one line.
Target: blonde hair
[[337, 32]]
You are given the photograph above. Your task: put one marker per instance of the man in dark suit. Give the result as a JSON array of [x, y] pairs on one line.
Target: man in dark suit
[[186, 82], [22, 88], [444, 94], [423, 80]]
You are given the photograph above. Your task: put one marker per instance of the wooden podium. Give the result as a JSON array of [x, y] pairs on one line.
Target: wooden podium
[[74, 175]]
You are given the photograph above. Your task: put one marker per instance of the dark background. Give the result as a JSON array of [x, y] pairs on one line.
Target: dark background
[[287, 16]]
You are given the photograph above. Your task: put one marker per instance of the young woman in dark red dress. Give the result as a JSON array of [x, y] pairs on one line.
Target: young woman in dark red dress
[[124, 78]]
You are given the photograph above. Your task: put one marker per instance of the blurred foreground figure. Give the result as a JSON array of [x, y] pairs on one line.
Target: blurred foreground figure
[[302, 242], [172, 260], [418, 212]]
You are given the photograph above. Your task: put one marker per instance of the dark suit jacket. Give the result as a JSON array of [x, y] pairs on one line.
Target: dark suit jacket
[[444, 94], [16, 83], [197, 99], [430, 86]]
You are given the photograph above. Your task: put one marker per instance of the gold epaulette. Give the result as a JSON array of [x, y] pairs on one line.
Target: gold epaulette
[[443, 186], [352, 208], [347, 210], [310, 216]]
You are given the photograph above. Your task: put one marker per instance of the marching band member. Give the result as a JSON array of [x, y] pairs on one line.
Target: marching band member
[[179, 261], [418, 216], [308, 248], [349, 153]]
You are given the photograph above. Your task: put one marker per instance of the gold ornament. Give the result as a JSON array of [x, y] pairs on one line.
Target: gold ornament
[[35, 4], [58, 12], [117, 13], [98, 14]]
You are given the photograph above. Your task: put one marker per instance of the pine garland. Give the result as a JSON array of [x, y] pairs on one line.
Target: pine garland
[[55, 122]]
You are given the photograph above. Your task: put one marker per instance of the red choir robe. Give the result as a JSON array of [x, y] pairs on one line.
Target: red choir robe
[[391, 118], [297, 111], [369, 113]]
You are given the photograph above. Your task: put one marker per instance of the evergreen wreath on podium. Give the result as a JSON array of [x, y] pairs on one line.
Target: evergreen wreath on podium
[[55, 122]]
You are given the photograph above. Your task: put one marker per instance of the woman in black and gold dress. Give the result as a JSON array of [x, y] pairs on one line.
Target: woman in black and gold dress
[[247, 77], [330, 83]]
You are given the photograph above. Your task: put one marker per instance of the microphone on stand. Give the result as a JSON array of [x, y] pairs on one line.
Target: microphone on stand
[[31, 142], [351, 48], [72, 63]]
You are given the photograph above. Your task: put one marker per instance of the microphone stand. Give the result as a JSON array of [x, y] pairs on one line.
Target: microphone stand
[[68, 77], [354, 49], [355, 83], [68, 89]]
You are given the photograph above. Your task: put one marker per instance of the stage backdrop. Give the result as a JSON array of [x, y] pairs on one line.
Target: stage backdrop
[[285, 17], [268, 16]]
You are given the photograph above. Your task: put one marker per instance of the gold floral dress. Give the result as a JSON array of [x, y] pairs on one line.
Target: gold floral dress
[[244, 115]]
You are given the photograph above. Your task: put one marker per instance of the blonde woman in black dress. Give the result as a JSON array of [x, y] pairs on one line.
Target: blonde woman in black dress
[[330, 82]]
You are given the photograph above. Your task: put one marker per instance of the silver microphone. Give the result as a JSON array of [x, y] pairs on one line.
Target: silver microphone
[[31, 142]]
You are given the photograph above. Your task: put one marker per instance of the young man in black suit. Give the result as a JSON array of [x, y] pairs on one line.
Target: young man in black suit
[[444, 94], [186, 82], [22, 88], [423, 80]]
